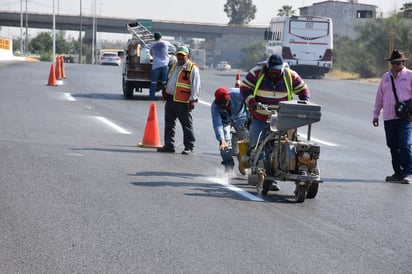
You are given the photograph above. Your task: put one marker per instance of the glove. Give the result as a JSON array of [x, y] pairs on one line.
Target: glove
[[252, 104], [191, 105]]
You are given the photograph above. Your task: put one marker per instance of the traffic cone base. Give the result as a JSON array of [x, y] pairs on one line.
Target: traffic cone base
[[52, 77], [151, 137]]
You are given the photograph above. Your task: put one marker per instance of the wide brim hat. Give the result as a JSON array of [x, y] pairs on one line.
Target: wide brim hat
[[396, 56]]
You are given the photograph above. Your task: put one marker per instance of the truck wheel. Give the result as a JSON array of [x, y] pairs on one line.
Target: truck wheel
[[127, 90]]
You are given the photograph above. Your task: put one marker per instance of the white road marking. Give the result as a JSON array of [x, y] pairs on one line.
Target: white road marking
[[69, 97], [319, 141], [205, 103], [113, 125], [75, 154], [239, 191]]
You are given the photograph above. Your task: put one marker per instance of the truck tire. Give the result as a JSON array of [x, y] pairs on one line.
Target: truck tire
[[127, 90]]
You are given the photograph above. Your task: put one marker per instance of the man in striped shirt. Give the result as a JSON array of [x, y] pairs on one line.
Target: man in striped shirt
[[269, 83]]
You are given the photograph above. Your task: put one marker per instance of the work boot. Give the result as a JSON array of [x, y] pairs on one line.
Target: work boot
[[243, 163], [242, 166], [393, 178]]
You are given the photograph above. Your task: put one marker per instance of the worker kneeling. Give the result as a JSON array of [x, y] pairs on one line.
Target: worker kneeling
[[230, 118]]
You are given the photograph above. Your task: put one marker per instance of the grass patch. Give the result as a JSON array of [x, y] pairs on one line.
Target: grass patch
[[342, 75]]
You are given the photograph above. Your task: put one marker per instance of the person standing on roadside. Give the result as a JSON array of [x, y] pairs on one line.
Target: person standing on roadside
[[398, 131], [159, 49], [181, 93]]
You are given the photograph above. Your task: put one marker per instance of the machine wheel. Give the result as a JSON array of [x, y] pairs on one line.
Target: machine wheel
[[312, 190], [300, 193], [127, 90], [313, 187], [266, 187]]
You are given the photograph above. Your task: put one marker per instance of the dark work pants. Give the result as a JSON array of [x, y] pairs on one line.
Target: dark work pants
[[399, 140], [180, 111]]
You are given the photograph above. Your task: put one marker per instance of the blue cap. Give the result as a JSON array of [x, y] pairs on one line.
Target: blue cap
[[157, 35], [275, 62]]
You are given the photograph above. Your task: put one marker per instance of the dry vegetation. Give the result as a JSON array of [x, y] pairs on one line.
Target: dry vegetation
[[337, 74]]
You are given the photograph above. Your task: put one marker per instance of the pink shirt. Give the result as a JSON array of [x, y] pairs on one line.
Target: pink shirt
[[385, 100]]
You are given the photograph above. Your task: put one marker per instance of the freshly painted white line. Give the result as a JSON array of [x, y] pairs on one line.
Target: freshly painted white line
[[239, 191], [319, 141], [69, 97], [205, 103], [113, 125], [75, 154]]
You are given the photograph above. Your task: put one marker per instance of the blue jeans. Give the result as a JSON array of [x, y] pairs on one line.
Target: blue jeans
[[399, 140], [256, 128], [158, 74], [227, 153]]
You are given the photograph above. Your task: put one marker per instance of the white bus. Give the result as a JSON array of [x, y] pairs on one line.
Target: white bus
[[305, 43]]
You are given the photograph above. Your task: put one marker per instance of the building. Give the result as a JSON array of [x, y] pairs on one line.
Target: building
[[345, 14]]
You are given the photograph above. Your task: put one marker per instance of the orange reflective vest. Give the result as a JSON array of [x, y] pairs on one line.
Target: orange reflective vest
[[183, 83]]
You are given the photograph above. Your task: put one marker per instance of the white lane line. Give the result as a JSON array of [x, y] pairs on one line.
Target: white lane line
[[319, 141], [113, 125], [205, 103], [239, 191], [69, 97]]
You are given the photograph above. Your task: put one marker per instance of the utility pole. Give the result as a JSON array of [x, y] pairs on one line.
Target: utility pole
[[94, 32], [391, 43], [21, 26], [80, 34], [27, 30]]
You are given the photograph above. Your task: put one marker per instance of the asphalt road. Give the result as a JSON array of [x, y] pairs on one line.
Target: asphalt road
[[78, 196]]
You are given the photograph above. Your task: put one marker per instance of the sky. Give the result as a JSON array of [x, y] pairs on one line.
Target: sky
[[202, 11]]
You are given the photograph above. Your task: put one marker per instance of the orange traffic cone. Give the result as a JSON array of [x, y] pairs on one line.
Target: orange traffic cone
[[58, 69], [237, 83], [52, 77], [151, 138], [62, 67]]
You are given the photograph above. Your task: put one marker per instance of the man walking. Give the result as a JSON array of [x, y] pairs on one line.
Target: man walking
[[396, 82]]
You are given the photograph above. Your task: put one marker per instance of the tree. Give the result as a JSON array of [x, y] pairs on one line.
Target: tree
[[286, 11], [42, 43], [407, 6], [252, 55], [240, 12], [365, 54]]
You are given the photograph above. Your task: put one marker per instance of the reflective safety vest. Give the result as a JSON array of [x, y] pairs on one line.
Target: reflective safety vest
[[287, 79], [183, 83]]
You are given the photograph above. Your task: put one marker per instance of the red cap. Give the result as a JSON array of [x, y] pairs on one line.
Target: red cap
[[222, 94]]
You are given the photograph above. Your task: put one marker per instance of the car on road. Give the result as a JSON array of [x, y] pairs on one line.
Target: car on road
[[110, 58], [223, 65]]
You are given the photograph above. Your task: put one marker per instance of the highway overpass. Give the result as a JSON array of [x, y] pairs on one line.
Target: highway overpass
[[225, 41]]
